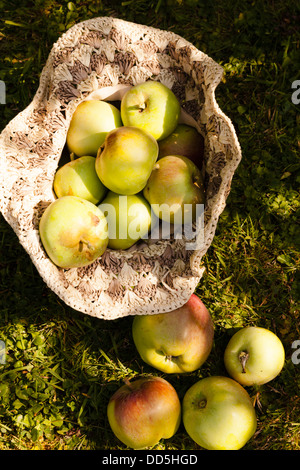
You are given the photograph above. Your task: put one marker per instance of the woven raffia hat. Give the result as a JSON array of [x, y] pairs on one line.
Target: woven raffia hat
[[100, 58]]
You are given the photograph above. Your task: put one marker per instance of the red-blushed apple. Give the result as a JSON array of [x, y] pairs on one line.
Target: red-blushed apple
[[79, 178], [73, 232], [144, 411], [152, 106], [218, 414], [177, 341], [128, 218], [174, 189], [90, 123], [125, 161], [254, 356], [184, 140]]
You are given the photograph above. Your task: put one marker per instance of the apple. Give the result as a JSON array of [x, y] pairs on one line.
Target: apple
[[151, 106], [90, 123], [254, 356], [128, 218], [184, 140], [73, 232], [142, 412], [174, 189], [177, 341], [125, 161], [218, 414], [79, 178]]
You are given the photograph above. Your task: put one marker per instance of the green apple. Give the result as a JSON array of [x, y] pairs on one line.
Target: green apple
[[90, 123], [177, 341], [184, 140], [128, 218], [125, 161], [73, 231], [142, 412], [254, 356], [174, 189], [151, 106], [79, 178], [218, 414]]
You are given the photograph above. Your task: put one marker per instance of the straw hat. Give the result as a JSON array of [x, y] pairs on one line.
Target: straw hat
[[101, 58]]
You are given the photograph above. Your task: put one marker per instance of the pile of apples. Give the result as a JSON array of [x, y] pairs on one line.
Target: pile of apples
[[129, 166], [216, 411], [125, 164]]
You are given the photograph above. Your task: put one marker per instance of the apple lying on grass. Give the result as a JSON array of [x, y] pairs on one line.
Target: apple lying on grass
[[175, 189], [90, 123], [128, 218], [125, 161], [152, 107], [144, 411], [254, 356], [79, 178], [218, 414], [184, 140], [177, 341], [73, 231]]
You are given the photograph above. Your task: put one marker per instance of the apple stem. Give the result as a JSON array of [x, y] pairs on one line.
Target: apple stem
[[169, 357], [128, 383], [84, 242], [202, 403], [243, 358]]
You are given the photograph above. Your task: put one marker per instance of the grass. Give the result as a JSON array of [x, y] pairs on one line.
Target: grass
[[62, 366]]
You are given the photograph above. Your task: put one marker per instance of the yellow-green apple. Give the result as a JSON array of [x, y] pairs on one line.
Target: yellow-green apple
[[73, 232], [90, 123], [143, 412], [151, 106], [128, 218], [175, 189], [177, 341], [79, 178], [125, 161], [254, 356], [184, 140], [218, 414]]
